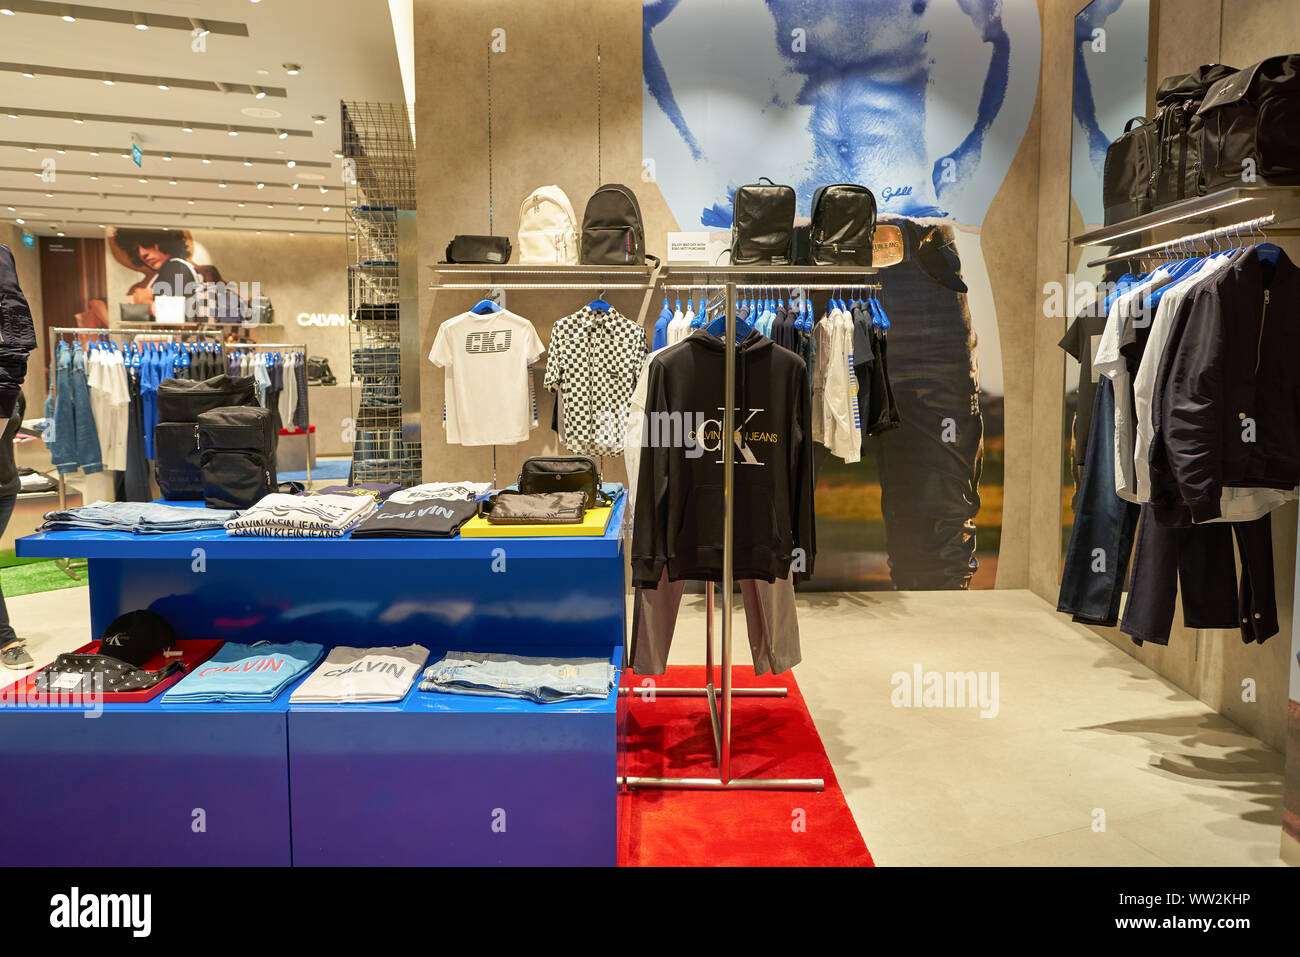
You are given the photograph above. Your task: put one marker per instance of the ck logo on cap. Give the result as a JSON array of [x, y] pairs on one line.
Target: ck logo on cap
[[481, 342]]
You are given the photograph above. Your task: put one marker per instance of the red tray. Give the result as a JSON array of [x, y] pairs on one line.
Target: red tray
[[194, 651]]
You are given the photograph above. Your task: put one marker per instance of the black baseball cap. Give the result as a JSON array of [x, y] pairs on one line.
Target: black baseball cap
[[137, 636]]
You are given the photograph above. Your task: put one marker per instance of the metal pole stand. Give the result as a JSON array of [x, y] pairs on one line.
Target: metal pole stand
[[720, 707]]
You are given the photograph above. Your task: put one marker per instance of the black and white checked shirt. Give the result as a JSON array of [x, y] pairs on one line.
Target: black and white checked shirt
[[594, 361]]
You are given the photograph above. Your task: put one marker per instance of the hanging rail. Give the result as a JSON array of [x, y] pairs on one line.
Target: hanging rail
[[1248, 225]]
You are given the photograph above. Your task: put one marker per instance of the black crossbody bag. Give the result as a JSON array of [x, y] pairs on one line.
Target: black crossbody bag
[[563, 473]]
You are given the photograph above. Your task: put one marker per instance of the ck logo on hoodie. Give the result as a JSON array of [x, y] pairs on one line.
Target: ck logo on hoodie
[[709, 437]]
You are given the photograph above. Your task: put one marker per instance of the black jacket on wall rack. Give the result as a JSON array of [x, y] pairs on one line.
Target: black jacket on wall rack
[[678, 512]]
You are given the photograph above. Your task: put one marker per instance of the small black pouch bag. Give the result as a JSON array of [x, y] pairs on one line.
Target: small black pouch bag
[[237, 456], [534, 508], [489, 250], [563, 473]]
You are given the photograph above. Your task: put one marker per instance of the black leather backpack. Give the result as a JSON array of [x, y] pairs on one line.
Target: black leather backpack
[[237, 456], [175, 438], [1179, 127], [612, 231], [843, 223], [1251, 121], [1128, 181], [762, 224]]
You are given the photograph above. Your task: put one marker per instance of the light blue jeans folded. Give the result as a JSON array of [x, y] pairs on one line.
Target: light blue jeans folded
[[544, 680], [141, 518]]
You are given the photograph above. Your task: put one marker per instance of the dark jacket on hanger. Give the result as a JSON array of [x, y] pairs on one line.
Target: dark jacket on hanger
[[17, 333], [1228, 413], [678, 518]]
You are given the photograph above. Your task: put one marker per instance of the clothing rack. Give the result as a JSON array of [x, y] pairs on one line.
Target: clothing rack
[[720, 699], [280, 347], [56, 333], [1232, 229]]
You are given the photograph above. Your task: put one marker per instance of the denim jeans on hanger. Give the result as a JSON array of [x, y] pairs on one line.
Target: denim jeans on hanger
[[76, 441], [1101, 541], [929, 486]]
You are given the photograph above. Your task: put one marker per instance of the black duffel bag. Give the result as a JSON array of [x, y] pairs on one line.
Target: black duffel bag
[[237, 456], [1178, 173], [175, 438], [762, 224], [1128, 180], [1250, 126]]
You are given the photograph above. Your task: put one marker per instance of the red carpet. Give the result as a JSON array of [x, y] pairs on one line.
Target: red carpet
[[772, 737]]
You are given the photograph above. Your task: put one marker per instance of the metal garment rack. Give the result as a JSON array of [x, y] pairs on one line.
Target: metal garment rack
[[277, 347], [719, 700], [1232, 229], [67, 565]]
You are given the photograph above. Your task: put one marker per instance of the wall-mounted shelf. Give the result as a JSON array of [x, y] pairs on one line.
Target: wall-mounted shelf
[[1214, 209]]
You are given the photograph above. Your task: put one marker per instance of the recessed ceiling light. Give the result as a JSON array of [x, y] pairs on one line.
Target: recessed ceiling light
[[291, 234], [318, 119], [126, 156], [62, 152], [96, 178], [292, 69], [221, 186], [29, 76], [291, 164], [206, 161], [232, 132], [324, 209], [79, 121], [6, 11], [262, 72], [142, 180], [13, 116], [31, 149], [139, 21], [248, 162], [283, 135], [49, 195], [295, 186], [93, 153], [164, 87], [68, 18], [108, 81], [189, 202], [242, 205], [167, 159], [20, 221], [171, 182], [60, 234], [200, 26], [259, 94], [187, 129], [261, 186], [300, 208], [270, 206]]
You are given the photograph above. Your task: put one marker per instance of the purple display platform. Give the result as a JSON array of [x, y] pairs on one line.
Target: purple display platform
[[391, 784]]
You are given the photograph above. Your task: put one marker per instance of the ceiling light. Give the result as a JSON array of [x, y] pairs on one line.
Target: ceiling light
[[60, 233], [108, 81], [248, 162], [294, 186], [13, 116], [139, 21], [164, 87], [189, 202], [324, 209], [292, 69], [6, 11], [142, 180], [93, 153], [270, 206], [259, 94], [79, 121], [318, 119], [29, 76], [291, 234], [20, 221], [283, 135], [167, 159], [126, 156], [49, 195], [31, 149], [200, 26], [67, 17], [242, 205], [261, 186], [95, 178], [291, 164], [232, 132], [221, 186], [62, 152], [171, 182], [206, 161], [301, 208], [187, 129]]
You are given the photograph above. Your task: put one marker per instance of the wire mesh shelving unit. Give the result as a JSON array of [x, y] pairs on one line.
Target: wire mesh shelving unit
[[379, 182]]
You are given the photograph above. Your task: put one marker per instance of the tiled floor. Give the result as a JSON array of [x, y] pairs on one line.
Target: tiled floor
[[1091, 757]]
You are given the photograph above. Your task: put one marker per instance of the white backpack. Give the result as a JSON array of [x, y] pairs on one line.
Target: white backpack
[[548, 230]]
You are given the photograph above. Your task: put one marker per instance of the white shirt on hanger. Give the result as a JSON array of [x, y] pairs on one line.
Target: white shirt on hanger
[[487, 359]]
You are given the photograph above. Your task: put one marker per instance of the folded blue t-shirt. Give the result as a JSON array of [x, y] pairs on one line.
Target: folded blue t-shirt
[[246, 672]]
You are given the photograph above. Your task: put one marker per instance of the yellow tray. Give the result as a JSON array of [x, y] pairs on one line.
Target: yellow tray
[[592, 524]]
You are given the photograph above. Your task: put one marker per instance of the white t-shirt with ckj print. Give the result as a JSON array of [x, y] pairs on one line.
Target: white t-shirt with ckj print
[[486, 360]]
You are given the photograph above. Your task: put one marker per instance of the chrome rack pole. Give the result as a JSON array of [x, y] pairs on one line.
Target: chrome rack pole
[[722, 715]]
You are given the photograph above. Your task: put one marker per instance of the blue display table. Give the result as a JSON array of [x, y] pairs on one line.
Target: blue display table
[[435, 779]]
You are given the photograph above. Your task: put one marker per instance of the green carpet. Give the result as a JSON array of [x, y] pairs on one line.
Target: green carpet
[[28, 576]]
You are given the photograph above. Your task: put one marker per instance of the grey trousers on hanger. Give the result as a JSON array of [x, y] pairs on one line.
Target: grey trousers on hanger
[[769, 614]]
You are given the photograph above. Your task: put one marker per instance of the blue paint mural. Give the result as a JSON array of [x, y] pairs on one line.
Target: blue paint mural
[[924, 101]]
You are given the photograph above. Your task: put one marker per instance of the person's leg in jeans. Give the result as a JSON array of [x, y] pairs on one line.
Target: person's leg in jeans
[[12, 652], [930, 465]]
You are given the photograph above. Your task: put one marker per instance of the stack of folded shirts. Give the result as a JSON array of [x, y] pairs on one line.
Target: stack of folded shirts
[[451, 491], [430, 518], [380, 491], [363, 674], [141, 518], [304, 516], [246, 673]]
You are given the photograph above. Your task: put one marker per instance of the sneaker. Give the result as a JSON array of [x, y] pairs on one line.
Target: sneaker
[[16, 658]]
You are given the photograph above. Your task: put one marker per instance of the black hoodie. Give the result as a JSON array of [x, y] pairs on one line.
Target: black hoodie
[[679, 493]]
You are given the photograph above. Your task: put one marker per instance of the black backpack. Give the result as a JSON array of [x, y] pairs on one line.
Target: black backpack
[[237, 456], [843, 223], [762, 224], [1178, 173], [1253, 115], [612, 231], [175, 438], [1128, 181]]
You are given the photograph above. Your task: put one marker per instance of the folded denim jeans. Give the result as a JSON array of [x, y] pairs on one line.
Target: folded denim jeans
[[544, 680], [141, 518]]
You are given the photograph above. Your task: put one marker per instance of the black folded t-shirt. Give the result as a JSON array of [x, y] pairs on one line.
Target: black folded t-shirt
[[427, 518]]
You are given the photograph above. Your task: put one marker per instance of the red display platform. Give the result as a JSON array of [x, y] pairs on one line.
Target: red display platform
[[193, 653]]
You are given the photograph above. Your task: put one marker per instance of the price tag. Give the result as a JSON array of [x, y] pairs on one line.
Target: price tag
[[67, 682]]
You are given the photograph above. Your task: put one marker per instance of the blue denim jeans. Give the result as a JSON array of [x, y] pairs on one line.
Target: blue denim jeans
[[140, 518], [76, 440], [543, 680]]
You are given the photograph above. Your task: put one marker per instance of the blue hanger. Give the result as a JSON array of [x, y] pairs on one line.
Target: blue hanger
[[718, 327], [1268, 253], [600, 305], [485, 307]]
